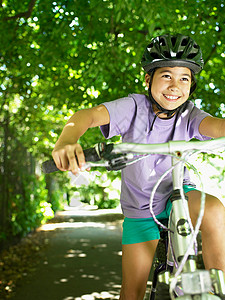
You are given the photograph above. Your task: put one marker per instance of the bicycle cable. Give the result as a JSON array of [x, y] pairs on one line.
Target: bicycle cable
[[194, 233], [195, 230]]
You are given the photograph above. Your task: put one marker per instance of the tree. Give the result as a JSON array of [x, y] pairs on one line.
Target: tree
[[60, 56]]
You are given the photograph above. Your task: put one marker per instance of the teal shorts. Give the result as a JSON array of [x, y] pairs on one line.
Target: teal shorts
[[145, 229]]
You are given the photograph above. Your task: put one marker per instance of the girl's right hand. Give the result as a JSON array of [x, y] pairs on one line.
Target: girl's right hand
[[69, 157]]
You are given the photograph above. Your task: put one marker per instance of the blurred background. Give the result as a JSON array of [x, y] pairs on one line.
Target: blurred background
[[57, 57]]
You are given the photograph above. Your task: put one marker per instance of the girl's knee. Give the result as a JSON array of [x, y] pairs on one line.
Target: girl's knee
[[214, 213], [214, 207]]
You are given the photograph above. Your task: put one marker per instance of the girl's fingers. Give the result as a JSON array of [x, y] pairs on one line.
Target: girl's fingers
[[69, 158]]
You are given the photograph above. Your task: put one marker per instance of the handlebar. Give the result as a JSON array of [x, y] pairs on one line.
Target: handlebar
[[118, 156], [94, 154]]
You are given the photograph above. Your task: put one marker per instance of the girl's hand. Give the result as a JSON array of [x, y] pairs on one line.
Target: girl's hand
[[69, 157]]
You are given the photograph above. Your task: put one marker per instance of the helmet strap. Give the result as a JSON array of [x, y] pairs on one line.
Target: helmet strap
[[161, 109]]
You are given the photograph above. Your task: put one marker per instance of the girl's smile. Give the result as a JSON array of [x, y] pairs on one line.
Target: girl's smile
[[171, 98]]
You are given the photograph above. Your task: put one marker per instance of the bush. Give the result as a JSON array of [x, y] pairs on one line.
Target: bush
[[30, 209]]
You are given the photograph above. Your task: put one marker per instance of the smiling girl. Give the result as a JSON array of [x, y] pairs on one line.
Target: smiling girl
[[165, 114]]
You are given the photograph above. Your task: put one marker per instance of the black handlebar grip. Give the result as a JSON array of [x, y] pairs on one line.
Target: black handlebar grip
[[90, 154], [49, 166]]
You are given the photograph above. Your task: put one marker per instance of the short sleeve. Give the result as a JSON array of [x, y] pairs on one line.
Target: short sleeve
[[195, 118], [121, 112]]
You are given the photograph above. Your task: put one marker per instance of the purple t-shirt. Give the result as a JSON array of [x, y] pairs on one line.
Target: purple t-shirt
[[132, 117]]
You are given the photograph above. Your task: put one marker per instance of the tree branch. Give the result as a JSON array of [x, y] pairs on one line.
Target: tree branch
[[25, 14]]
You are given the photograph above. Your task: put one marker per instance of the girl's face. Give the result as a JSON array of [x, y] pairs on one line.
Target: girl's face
[[170, 86]]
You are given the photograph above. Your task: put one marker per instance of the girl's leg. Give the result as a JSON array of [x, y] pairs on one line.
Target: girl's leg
[[136, 264], [212, 228]]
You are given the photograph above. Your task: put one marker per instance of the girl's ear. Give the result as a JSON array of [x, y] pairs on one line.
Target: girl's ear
[[147, 79]]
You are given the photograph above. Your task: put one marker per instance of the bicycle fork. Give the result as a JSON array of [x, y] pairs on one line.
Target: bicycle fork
[[191, 283]]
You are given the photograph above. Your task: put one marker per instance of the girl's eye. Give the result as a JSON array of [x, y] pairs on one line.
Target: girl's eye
[[166, 76], [185, 79]]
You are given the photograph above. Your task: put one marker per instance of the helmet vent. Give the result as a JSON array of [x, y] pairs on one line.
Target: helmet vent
[[166, 54], [184, 42], [191, 55], [179, 54], [162, 42], [155, 55], [150, 46], [173, 40], [196, 46]]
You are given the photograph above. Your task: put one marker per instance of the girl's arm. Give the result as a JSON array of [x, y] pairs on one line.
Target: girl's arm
[[66, 147], [212, 127]]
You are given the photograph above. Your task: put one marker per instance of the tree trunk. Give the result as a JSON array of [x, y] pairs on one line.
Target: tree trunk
[[4, 203]]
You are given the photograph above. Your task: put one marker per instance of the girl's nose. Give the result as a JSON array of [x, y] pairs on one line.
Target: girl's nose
[[174, 86]]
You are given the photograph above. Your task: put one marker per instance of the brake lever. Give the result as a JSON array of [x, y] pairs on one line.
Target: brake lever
[[117, 163]]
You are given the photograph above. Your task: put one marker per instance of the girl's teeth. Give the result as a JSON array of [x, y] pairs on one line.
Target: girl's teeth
[[172, 97]]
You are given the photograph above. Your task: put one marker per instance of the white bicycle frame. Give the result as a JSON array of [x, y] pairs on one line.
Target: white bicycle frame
[[187, 281]]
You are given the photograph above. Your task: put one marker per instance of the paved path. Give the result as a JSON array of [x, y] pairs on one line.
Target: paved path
[[82, 259]]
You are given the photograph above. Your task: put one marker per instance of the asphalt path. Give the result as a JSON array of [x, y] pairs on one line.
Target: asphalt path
[[82, 259]]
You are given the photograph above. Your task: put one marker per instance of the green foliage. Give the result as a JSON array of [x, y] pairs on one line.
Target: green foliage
[[57, 186], [29, 209], [216, 162], [95, 195], [102, 191], [57, 57]]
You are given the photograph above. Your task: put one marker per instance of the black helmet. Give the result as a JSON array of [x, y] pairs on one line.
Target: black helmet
[[173, 51]]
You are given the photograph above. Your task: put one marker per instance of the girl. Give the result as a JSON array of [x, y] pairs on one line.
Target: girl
[[165, 114]]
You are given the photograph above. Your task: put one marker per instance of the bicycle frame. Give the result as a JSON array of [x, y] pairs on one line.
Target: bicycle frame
[[186, 280]]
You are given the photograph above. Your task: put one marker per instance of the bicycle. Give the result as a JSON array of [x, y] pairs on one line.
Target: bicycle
[[178, 277]]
